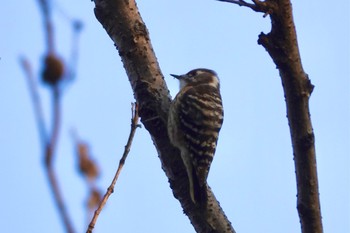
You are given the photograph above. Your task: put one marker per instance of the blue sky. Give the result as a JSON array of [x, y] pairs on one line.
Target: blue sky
[[253, 172]]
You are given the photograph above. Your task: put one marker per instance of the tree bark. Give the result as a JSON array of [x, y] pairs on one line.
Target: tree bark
[[281, 43], [124, 25]]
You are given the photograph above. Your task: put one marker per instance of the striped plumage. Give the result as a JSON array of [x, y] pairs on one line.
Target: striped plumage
[[194, 122]]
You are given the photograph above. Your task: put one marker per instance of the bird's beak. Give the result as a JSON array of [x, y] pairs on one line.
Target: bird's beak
[[177, 76]]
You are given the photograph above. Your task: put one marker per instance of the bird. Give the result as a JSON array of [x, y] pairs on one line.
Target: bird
[[194, 122]]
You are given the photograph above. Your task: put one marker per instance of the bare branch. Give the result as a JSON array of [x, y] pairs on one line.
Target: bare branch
[[257, 6], [49, 154], [240, 3], [110, 190], [46, 11], [48, 143], [33, 89], [52, 75], [56, 122], [282, 45]]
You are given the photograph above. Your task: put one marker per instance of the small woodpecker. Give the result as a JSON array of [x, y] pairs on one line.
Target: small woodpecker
[[194, 121]]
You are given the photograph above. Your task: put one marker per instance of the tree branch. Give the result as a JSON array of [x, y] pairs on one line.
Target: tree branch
[[281, 43], [124, 25], [241, 3], [46, 11], [257, 5], [110, 190], [48, 143], [33, 89], [50, 149]]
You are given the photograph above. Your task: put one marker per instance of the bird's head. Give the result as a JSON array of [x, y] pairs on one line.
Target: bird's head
[[199, 76]]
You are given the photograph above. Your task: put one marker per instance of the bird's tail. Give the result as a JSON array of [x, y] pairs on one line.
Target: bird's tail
[[198, 190]]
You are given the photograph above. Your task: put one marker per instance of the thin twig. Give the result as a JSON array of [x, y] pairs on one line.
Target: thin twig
[[134, 126], [33, 89], [49, 154], [56, 122], [58, 199], [239, 3], [74, 56], [49, 144], [77, 27], [46, 10], [255, 6]]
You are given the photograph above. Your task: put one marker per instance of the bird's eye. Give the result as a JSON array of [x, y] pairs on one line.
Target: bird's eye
[[192, 73]]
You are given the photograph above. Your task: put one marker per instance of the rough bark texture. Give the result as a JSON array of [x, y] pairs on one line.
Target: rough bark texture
[[124, 25], [281, 44]]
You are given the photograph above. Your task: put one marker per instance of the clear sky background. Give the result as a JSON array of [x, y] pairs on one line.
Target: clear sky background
[[253, 172]]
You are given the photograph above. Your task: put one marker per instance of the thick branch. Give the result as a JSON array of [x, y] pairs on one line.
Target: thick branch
[[281, 44], [124, 25]]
